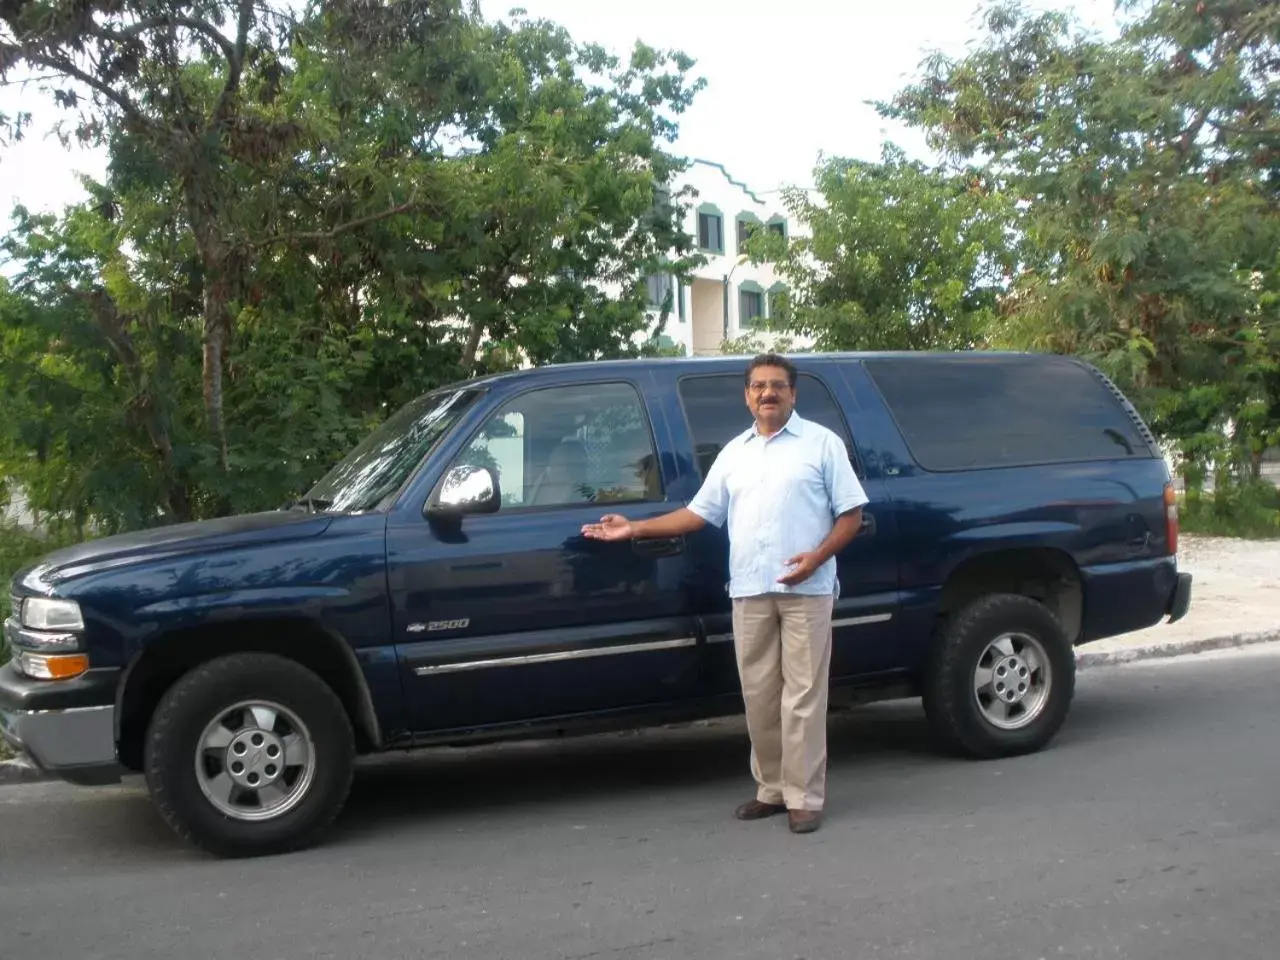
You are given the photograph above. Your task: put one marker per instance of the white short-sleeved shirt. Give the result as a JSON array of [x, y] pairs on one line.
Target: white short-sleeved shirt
[[781, 497]]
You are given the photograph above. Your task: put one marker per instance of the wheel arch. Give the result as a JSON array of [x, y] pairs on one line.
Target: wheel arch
[[170, 655], [1049, 575]]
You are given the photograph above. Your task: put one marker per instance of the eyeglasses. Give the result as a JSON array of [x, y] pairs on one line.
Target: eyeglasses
[[759, 386]]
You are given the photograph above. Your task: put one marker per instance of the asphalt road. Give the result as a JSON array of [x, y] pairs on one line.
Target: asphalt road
[[1151, 829]]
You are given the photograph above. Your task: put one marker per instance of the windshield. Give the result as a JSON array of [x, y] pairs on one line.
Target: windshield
[[382, 462]]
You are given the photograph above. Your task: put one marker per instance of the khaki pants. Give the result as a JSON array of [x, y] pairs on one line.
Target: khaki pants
[[783, 643]]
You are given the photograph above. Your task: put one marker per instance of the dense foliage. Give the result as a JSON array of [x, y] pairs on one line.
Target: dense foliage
[[1117, 200], [896, 257], [1147, 173], [310, 217]]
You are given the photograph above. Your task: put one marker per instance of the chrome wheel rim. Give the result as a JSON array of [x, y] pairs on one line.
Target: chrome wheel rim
[[1011, 681], [255, 761]]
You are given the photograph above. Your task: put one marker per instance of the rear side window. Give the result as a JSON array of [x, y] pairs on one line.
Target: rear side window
[[716, 412], [974, 412]]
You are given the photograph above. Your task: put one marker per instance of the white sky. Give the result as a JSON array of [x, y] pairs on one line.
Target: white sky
[[787, 80]]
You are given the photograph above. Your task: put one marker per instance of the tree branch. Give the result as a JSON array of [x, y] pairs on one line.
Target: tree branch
[[235, 64], [1188, 136], [314, 236], [165, 21], [36, 78], [1264, 132], [65, 69]]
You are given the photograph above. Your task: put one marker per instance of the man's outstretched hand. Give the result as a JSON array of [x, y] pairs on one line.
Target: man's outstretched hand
[[610, 527]]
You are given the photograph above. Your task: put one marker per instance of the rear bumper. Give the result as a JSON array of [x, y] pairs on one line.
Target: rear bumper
[[71, 741], [1122, 598], [1180, 598]]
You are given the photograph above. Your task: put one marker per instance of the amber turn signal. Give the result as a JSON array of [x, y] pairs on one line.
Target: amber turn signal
[[40, 666]]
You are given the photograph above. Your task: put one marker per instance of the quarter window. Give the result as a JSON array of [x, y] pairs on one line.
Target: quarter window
[[975, 411], [570, 445]]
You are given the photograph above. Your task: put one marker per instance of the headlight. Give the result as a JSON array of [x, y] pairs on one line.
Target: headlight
[[43, 613]]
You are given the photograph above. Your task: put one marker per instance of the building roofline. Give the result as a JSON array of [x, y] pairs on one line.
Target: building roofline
[[737, 183]]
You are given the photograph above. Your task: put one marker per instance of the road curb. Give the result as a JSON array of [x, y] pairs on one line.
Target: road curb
[[1162, 651], [19, 771]]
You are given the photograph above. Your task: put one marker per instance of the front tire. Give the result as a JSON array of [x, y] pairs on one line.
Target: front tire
[[1000, 679], [250, 755]]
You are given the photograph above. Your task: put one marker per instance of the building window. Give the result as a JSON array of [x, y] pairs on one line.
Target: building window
[[662, 206], [658, 288], [776, 295], [777, 226], [748, 223], [750, 306], [710, 230]]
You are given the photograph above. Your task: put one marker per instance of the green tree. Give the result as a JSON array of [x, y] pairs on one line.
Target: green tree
[[475, 165], [406, 195], [898, 257], [1146, 174]]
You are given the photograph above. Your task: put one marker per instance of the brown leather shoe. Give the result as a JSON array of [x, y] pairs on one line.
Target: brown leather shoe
[[804, 821], [755, 810]]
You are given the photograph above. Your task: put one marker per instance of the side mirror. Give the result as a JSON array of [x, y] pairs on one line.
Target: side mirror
[[466, 490]]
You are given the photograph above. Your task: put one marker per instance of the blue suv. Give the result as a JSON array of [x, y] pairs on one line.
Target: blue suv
[[435, 586]]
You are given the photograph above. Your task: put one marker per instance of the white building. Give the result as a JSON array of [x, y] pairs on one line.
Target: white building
[[728, 298]]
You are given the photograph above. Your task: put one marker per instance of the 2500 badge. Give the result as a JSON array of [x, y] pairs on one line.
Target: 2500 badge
[[437, 625]]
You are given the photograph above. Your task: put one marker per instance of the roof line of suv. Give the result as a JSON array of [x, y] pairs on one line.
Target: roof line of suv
[[734, 361]]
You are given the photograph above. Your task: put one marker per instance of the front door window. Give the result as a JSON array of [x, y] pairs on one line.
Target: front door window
[[569, 446]]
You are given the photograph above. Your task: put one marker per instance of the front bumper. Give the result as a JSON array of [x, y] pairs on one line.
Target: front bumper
[[65, 739]]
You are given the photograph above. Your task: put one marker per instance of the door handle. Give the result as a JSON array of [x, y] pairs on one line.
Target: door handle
[[868, 528], [662, 547]]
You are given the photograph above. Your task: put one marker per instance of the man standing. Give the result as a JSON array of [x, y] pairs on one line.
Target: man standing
[[792, 502]]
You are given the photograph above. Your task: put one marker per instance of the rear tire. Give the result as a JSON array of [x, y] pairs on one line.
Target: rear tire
[[1000, 679], [249, 755]]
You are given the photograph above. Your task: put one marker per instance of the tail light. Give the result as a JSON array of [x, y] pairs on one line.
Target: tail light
[[1171, 518]]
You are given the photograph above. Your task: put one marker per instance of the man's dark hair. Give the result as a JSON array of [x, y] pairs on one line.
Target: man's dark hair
[[772, 360]]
